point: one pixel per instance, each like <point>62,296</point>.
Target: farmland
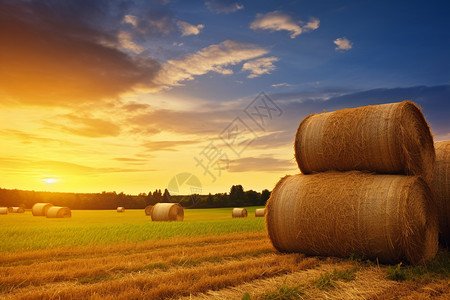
<point>107,255</point>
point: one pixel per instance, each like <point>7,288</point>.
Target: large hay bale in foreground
<point>59,212</point>
<point>40,209</point>
<point>389,139</point>
<point>441,189</point>
<point>3,210</point>
<point>16,209</point>
<point>239,213</point>
<point>167,212</point>
<point>260,212</point>
<point>120,209</point>
<point>389,217</point>
<point>148,210</point>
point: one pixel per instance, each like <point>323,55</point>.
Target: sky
<point>197,96</point>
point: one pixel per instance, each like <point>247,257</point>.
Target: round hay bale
<point>260,212</point>
<point>441,189</point>
<point>3,210</point>
<point>167,212</point>
<point>148,210</point>
<point>388,139</point>
<point>16,209</point>
<point>59,212</point>
<point>239,213</point>
<point>40,209</point>
<point>389,217</point>
<point>120,209</point>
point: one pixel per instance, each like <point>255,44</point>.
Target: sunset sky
<point>124,95</point>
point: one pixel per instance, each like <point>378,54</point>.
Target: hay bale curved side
<point>120,209</point>
<point>389,138</point>
<point>40,209</point>
<point>441,189</point>
<point>260,212</point>
<point>167,212</point>
<point>17,210</point>
<point>3,210</point>
<point>59,212</point>
<point>239,212</point>
<point>148,210</point>
<point>389,217</point>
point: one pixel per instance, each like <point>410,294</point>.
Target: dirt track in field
<point>220,267</point>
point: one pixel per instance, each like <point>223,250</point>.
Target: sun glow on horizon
<point>50,180</point>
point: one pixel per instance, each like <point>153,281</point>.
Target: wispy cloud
<point>266,163</point>
<point>343,44</point>
<point>214,58</point>
<point>277,21</point>
<point>85,126</point>
<point>281,84</point>
<point>130,19</point>
<point>260,66</point>
<point>189,29</point>
<point>223,6</point>
<point>167,145</point>
<point>126,42</point>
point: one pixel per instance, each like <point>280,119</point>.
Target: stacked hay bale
<point>441,189</point>
<point>3,210</point>
<point>167,212</point>
<point>342,210</point>
<point>40,209</point>
<point>120,209</point>
<point>239,213</point>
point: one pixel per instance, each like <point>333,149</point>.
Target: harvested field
<point>226,266</point>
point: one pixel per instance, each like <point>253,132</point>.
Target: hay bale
<point>120,209</point>
<point>239,213</point>
<point>59,212</point>
<point>3,210</point>
<point>260,212</point>
<point>388,139</point>
<point>148,210</point>
<point>167,212</point>
<point>40,209</point>
<point>441,189</point>
<point>389,217</point>
<point>16,209</point>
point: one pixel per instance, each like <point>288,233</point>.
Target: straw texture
<point>59,212</point>
<point>260,212</point>
<point>3,210</point>
<point>16,209</point>
<point>120,209</point>
<point>148,210</point>
<point>389,139</point>
<point>441,189</point>
<point>167,212</point>
<point>40,209</point>
<point>389,217</point>
<point>239,213</point>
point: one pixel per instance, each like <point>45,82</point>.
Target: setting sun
<point>50,180</point>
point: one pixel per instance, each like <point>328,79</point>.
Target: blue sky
<point>123,95</point>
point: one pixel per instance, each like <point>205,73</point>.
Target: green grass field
<point>92,227</point>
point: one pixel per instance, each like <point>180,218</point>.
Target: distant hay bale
<point>59,212</point>
<point>239,213</point>
<point>260,212</point>
<point>389,217</point>
<point>167,212</point>
<point>441,189</point>
<point>40,209</point>
<point>3,210</point>
<point>120,209</point>
<point>148,210</point>
<point>16,209</point>
<point>389,139</point>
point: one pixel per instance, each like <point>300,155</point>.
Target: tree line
<point>111,200</point>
